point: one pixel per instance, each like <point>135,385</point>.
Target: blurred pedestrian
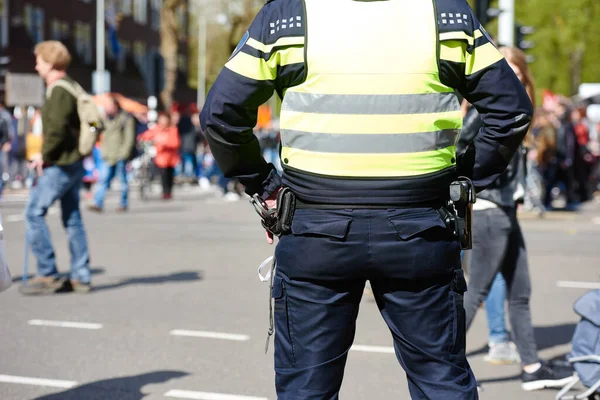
<point>165,137</point>
<point>501,349</point>
<point>6,135</point>
<point>560,172</point>
<point>499,246</point>
<point>60,172</point>
<point>117,147</point>
<point>189,144</point>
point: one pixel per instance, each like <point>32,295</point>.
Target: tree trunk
<point>169,40</point>
<point>576,67</point>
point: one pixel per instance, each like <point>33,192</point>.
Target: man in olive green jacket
<point>60,172</point>
<point>118,143</point>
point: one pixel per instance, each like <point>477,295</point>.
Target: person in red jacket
<point>166,140</point>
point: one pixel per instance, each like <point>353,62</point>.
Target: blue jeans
<point>1,171</point>
<point>189,165</point>
<point>214,170</point>
<point>58,183</point>
<point>494,308</point>
<point>271,155</point>
<point>108,174</point>
<point>413,265</point>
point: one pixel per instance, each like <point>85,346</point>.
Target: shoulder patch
<point>241,44</point>
<point>487,35</point>
<point>456,18</point>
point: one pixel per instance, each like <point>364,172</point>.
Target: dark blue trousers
<point>415,273</point>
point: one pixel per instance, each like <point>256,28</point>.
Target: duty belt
<point>318,206</point>
<point>455,212</point>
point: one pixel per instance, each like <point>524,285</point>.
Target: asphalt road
<point>178,310</point>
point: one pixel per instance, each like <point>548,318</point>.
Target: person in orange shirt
<point>166,140</point>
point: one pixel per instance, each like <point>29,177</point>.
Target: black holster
<point>286,205</point>
<point>457,214</point>
<point>276,220</point>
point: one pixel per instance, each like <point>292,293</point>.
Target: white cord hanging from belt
<point>268,277</point>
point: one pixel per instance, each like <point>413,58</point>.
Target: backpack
<point>89,115</point>
<point>586,339</point>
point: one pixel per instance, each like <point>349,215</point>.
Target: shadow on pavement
<point>95,271</point>
<point>125,388</point>
<point>545,337</point>
<point>185,276</point>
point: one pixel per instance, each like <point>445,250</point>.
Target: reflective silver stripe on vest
<point>370,104</point>
<point>369,143</point>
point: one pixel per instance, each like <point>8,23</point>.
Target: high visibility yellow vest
<point>372,104</point>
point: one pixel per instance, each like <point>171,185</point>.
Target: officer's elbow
<point>522,123</point>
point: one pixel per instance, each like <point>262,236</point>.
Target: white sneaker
<point>204,183</point>
<point>231,196</point>
<point>503,353</point>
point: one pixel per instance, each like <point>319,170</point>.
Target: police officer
<point>369,122</point>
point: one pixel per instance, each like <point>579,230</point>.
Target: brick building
<point>132,55</point>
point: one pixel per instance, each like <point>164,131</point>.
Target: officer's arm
<point>270,57</point>
<point>470,63</point>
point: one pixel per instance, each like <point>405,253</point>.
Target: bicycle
<point>143,167</point>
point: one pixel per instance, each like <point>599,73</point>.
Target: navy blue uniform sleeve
<point>471,64</point>
<point>269,58</point>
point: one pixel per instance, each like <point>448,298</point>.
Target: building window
<point>107,46</point>
<point>140,11</point>
<point>59,30</point>
<point>83,41</point>
<point>39,25</point>
<point>125,50</point>
<point>3,23</point>
<point>28,16</point>
<point>34,22</point>
<point>56,30</point>
<point>139,54</point>
<point>65,30</point>
<point>155,14</point>
<point>125,7</point>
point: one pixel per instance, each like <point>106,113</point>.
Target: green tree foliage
<point>222,38</point>
<point>567,41</point>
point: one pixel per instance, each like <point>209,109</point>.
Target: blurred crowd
<point>562,151</point>
<point>563,157</point>
<point>193,163</point>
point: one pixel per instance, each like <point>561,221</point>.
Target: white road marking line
<point>373,349</point>
<point>578,285</point>
<point>21,217</point>
<point>210,335</point>
<point>596,220</point>
<point>186,394</point>
<point>37,381</point>
<point>14,218</point>
<point>65,324</point>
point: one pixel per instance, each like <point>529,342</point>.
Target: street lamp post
<point>202,45</point>
<point>506,23</point>
<point>101,77</point>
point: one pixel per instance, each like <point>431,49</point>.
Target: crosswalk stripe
<point>373,349</point>
<point>37,381</point>
<point>578,285</point>
<point>210,335</point>
<point>65,324</point>
<point>186,394</point>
